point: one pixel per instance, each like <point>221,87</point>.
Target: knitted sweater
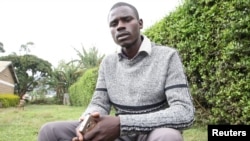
<point>148,91</point>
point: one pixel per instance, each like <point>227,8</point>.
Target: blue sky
<point>58,26</point>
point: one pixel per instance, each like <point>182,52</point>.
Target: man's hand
<point>106,129</point>
<point>79,137</point>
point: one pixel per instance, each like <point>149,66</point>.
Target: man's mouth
<point>122,36</point>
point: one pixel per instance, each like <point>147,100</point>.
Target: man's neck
<point>131,51</point>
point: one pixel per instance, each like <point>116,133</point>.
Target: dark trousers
<point>66,130</point>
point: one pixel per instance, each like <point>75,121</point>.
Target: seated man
<point>144,82</point>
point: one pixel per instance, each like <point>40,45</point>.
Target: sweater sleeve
<point>180,112</point>
<point>100,100</point>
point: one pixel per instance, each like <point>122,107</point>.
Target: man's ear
<point>141,23</point>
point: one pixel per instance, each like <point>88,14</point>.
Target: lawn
<point>23,125</point>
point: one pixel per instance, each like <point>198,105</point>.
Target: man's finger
<point>95,114</point>
<point>80,136</point>
<point>75,139</point>
<point>81,119</point>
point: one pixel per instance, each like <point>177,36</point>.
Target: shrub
<point>8,100</point>
<point>81,92</point>
<point>212,37</point>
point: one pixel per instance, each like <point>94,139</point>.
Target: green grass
<point>23,125</point>
<point>196,134</point>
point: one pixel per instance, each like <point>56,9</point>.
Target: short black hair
<point>118,4</point>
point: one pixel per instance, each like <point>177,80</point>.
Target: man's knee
<point>165,134</point>
<point>45,133</point>
<point>47,130</point>
<point>59,130</point>
<point>47,127</point>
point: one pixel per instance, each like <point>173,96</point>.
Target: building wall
<point>6,82</point>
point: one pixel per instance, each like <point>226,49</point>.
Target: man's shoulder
<point>110,58</point>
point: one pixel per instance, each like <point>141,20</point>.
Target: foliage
<point>29,70</point>
<point>26,47</point>
<point>213,39</point>
<point>62,78</point>
<point>81,92</point>
<point>88,59</point>
<point>8,100</point>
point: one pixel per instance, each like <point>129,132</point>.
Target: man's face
<point>124,26</point>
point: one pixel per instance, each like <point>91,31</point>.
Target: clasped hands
<point>107,128</point>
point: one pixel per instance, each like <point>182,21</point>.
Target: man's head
<point>124,24</point>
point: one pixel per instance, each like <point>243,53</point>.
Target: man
<point>145,83</point>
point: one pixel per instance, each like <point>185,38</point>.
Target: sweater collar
<point>145,47</point>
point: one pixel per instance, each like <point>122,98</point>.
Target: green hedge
<point>213,38</point>
<point>9,100</point>
<point>81,92</point>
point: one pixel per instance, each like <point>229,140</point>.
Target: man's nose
<point>121,26</point>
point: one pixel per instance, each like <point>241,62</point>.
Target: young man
<point>144,82</point>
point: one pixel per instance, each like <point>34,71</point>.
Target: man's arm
<point>100,101</point>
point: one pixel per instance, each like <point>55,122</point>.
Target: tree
<point>29,70</point>
<point>1,47</point>
<point>62,78</point>
<point>26,47</point>
<point>88,59</point>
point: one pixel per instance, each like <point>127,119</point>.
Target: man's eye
<point>112,24</point>
<point>127,19</point>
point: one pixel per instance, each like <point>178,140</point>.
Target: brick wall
<point>6,82</point>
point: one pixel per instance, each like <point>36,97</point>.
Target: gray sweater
<point>148,91</point>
